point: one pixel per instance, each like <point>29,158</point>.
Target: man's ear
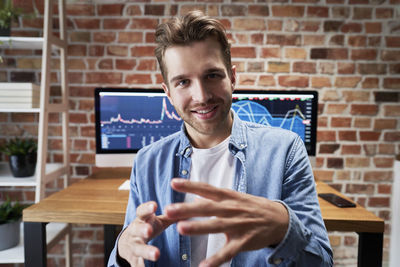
<point>167,92</point>
<point>233,77</point>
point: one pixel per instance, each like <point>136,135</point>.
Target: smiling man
<point>221,192</point>
<point>200,89</point>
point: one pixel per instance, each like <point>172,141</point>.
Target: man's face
<point>200,89</point>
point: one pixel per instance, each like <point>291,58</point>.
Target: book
<point>19,86</point>
<point>16,99</point>
<point>18,105</point>
<point>20,93</point>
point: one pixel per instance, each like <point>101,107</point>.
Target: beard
<point>217,124</point>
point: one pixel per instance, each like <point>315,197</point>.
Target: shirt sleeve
<point>115,260</point>
<point>306,241</point>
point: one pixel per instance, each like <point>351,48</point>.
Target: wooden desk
<point>98,201</point>
<point>369,227</point>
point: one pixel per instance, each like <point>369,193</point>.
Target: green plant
<point>19,146</point>
<point>10,212</point>
<point>8,13</point>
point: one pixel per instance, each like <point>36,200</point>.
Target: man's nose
<point>200,92</point>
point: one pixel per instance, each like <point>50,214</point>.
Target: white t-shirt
<point>215,166</point>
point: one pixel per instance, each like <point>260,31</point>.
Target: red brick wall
<point>348,50</point>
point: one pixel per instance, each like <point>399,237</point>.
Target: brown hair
<point>194,26</point>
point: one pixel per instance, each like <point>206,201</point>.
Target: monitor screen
<point>292,110</point>
<point>129,119</point>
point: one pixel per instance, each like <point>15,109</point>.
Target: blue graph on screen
<point>131,122</point>
<point>293,120</point>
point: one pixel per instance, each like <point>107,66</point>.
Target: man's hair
<point>194,26</point>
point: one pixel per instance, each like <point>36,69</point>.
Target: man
<point>221,192</point>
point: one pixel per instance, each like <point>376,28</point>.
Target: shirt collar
<point>237,140</point>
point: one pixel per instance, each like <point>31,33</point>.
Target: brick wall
<point>347,50</point>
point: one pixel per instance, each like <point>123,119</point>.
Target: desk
<point>369,227</point>
<point>98,201</point>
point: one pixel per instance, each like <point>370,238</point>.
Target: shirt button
<point>184,172</point>
<point>184,256</point>
<point>277,261</point>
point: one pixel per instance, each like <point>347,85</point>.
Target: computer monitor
<point>128,119</point>
<point>292,110</point>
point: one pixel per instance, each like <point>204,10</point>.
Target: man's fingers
<point>147,252</point>
<point>141,229</point>
<point>166,221</point>
<point>225,254</point>
<point>131,247</point>
<point>146,210</point>
<point>202,189</point>
<point>188,210</point>
<point>137,262</point>
<point>211,226</point>
<point>205,208</point>
<point>160,224</point>
<point>132,243</point>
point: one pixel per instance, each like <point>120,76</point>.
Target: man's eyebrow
<point>183,76</point>
<point>214,70</point>
<point>177,78</point>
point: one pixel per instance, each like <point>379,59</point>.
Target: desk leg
<point>35,246</point>
<point>109,240</point>
<point>370,249</point>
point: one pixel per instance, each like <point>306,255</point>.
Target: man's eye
<point>212,76</point>
<point>182,83</point>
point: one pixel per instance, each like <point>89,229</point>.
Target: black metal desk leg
<point>109,240</point>
<point>370,249</point>
<point>35,246</point>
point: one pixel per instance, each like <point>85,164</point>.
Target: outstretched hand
<point>132,244</point>
<point>249,222</point>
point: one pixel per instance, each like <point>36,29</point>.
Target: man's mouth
<point>205,113</point>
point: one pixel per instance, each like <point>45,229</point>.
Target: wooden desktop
<point>97,200</point>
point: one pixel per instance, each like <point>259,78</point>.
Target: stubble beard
<point>209,127</point>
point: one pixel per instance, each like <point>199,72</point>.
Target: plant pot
<point>5,31</point>
<point>23,165</point>
<point>9,233</point>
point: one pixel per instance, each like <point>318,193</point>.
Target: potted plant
<point>10,219</point>
<point>22,156</point>
<point>8,14</point>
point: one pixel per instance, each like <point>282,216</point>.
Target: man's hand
<point>249,222</point>
<point>132,244</point>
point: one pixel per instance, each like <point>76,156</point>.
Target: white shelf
<point>6,178</point>
<point>21,42</point>
<point>54,170</point>
<point>16,254</point>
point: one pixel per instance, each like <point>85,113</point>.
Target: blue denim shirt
<point>272,163</point>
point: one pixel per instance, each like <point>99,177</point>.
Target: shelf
<point>6,178</point>
<point>21,42</point>
<point>30,42</point>
<point>30,98</point>
<point>16,254</point>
